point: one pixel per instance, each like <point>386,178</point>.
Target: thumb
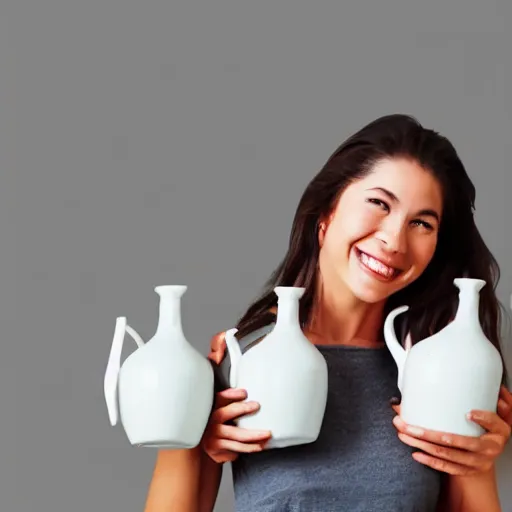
<point>217,348</point>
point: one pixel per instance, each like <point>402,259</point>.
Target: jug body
<point>165,395</point>
<point>290,387</point>
<point>445,376</point>
<point>165,388</point>
<point>287,375</point>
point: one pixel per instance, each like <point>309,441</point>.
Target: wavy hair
<point>460,251</point>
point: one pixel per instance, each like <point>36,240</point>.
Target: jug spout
<point>398,352</point>
<point>235,355</point>
<point>468,283</point>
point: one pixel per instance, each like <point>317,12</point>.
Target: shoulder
<point>218,343</point>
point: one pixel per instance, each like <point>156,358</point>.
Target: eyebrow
<point>426,212</point>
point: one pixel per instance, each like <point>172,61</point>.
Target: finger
<point>213,356</point>
<point>461,457</point>
<point>396,408</point>
<point>233,410</point>
<point>506,395</point>
<point>217,348</point>
<point>444,466</point>
<point>491,422</point>
<point>216,357</point>
<point>242,435</point>
<point>225,456</point>
<point>472,444</point>
<point>505,411</point>
<point>237,446</point>
<point>217,341</point>
<point>227,396</point>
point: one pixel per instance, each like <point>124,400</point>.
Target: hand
<point>223,442</point>
<point>217,348</point>
<point>462,455</point>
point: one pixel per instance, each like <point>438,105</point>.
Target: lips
<point>377,266</point>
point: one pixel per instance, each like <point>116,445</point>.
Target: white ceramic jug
<point>165,387</point>
<point>286,374</point>
<point>445,376</point>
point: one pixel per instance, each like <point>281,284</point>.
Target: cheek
<point>332,242</point>
<point>333,247</point>
<point>343,233</point>
<point>352,226</point>
<point>424,251</point>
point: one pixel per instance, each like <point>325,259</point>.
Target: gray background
<point>148,143</point>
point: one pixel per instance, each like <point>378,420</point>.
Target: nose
<point>394,236</point>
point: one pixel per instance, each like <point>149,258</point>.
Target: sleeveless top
<point>357,464</point>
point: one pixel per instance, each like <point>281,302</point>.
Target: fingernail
<point>398,421</point>
<point>394,400</point>
<point>415,431</point>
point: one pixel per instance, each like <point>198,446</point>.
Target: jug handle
<point>398,352</point>
<point>235,355</point>
<point>114,365</point>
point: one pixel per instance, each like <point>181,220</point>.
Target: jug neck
<point>287,313</point>
<point>169,316</point>
<point>469,303</point>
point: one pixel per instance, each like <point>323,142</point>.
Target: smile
<point>376,266</point>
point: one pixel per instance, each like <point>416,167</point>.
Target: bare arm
<point>183,481</point>
<point>174,485</point>
<point>222,440</point>
<point>209,482</point>
<point>478,493</point>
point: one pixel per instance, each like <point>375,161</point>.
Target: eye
<point>378,202</point>
<point>424,224</point>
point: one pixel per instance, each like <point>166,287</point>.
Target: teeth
<point>377,266</point>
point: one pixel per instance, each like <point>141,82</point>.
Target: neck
<point>339,318</point>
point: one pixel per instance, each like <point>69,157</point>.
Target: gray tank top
<point>358,464</point>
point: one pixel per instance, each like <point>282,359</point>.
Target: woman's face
<point>383,232</point>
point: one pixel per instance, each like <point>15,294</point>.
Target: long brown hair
<point>460,250</point>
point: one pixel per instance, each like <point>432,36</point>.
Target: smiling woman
<point>383,231</point>
<point>387,221</point>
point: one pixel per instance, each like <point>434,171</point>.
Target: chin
<point>375,292</point>
<point>370,295</point>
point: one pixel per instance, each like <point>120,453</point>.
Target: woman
<point>387,221</point>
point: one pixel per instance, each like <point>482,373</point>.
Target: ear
<point>322,228</point>
<point>323,224</point>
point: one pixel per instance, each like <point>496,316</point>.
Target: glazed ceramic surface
<point>445,376</point>
<point>165,388</point>
<point>286,374</point>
